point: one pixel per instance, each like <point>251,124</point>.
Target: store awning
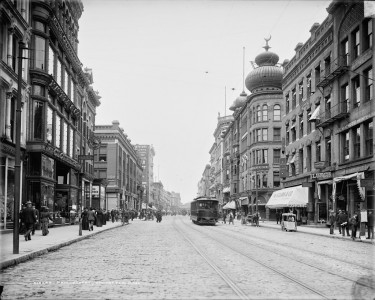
<point>357,176</point>
<point>296,196</point>
<point>315,114</point>
<point>226,189</point>
<point>230,205</point>
<point>293,159</point>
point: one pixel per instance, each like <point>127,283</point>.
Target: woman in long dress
<point>85,220</point>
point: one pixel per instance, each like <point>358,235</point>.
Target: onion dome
<point>239,102</point>
<point>267,76</point>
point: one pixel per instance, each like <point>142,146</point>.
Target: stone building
<point>146,153</point>
<point>328,126</point>
<point>204,183</point>
<point>117,162</point>
<point>261,116</point>
<point>59,103</point>
<point>216,157</point>
<point>15,26</point>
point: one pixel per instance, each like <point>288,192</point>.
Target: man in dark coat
<point>370,225</point>
<point>29,219</point>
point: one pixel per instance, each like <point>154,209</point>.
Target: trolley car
<point>204,210</point>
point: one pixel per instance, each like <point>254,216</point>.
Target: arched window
<point>264,112</point>
<point>259,116</point>
<point>277,113</point>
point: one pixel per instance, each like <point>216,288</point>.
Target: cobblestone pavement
<point>149,260</point>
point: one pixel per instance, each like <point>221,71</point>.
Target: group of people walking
<point>31,218</point>
<point>345,224</point>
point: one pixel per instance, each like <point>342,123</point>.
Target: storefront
<point>293,199</point>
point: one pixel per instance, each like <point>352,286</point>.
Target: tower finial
<point>266,46</point>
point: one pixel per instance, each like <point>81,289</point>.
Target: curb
<point>328,236</point>
<point>23,258</point>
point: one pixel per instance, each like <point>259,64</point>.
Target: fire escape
<point>341,110</point>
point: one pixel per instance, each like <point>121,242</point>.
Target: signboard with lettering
<point>319,164</point>
<point>85,157</point>
<point>319,176</point>
<point>95,191</point>
<point>307,184</point>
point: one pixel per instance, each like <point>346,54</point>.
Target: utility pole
<point>17,165</point>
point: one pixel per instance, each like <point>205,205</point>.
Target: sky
<point>166,69</point>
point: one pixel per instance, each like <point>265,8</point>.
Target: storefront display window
<point>6,188</point>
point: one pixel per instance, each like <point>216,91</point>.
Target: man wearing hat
<point>29,219</point>
<point>332,220</point>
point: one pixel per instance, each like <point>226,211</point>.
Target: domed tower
<point>267,76</point>
<point>265,109</point>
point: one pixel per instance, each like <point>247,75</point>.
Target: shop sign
<point>307,184</point>
<point>319,176</point>
<point>319,164</point>
<point>95,191</point>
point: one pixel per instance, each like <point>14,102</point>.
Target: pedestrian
<point>91,216</point>
<point>231,218</point>
<point>332,221</point>
<point>104,217</point>
<point>256,219</point>
<point>99,218</point>
<point>354,222</point>
<point>225,217</point>
<point>44,219</point>
<point>29,219</point>
<point>280,216</point>
<point>344,222</point>
<point>370,225</point>
<point>113,213</point>
<point>338,220</point>
<point>85,219</point>
<point>37,217</point>
<point>277,217</point>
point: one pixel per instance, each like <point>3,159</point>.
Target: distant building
<point>146,153</point>
<point>118,165</point>
<point>204,183</point>
<point>216,155</point>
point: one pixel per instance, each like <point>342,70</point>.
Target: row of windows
<point>352,46</point>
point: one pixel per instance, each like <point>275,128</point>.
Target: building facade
<point>59,103</point>
<point>328,126</point>
<point>262,117</point>
<point>117,163</point>
<point>15,26</point>
<point>303,141</point>
<point>216,157</point>
<point>146,153</point>
<point>204,183</point>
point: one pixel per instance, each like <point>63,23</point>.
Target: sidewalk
<point>316,230</point>
<point>58,237</point>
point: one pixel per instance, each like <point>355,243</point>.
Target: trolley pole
<point>17,165</point>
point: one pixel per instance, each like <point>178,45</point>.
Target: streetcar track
<point>302,249</point>
<point>296,281</point>
<point>277,253</point>
<point>241,294</point>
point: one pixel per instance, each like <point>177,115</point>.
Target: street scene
<point>176,259</point>
<point>183,149</point>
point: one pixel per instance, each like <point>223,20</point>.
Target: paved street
<point>176,259</point>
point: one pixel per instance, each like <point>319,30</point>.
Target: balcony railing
<point>337,112</point>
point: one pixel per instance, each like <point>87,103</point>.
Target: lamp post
<point>17,165</point>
